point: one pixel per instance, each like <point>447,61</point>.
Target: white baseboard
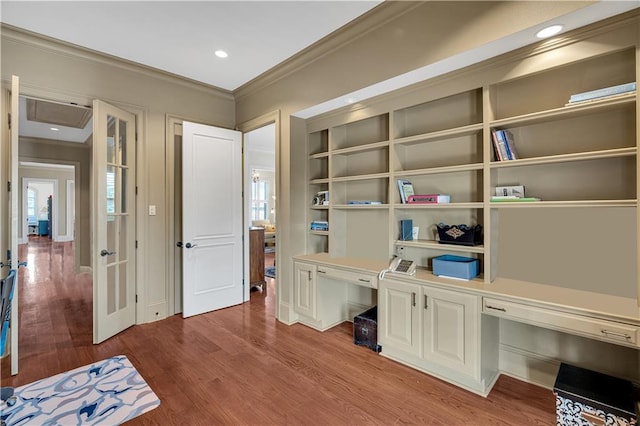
<point>155,312</point>
<point>85,270</point>
<point>63,238</point>
<point>528,366</point>
<point>287,316</point>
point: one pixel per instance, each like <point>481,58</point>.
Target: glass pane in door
<point>111,139</point>
<point>122,147</point>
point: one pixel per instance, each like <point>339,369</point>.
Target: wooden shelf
<point>565,158</point>
<point>435,245</point>
<point>323,233</point>
<point>574,203</point>
<point>443,134</point>
<point>319,156</point>
<point>360,177</point>
<point>475,205</point>
<point>360,206</point>
<point>319,181</point>
<point>568,111</point>
<point>440,170</point>
<point>360,148</point>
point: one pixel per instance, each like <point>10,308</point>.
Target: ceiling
<point>181,37</point>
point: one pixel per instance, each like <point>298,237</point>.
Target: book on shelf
<point>363,202</point>
<point>515,190</point>
<point>511,146</point>
<point>605,92</point>
<point>504,145</point>
<point>500,145</point>
<point>429,199</point>
<point>406,190</point>
<point>319,225</point>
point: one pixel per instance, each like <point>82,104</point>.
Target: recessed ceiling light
<point>221,54</point>
<point>549,31</point>
<point>55,129</point>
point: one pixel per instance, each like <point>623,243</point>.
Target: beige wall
<point>395,38</point>
<point>57,71</point>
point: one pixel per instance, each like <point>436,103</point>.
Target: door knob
<point>105,252</point>
<point>189,245</point>
<point>179,244</point>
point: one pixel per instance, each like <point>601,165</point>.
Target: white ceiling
<point>181,37</point>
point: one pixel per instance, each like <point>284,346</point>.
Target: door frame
<point>141,228</point>
<point>272,117</point>
<point>171,120</point>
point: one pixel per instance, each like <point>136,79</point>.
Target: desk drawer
<point>609,331</point>
<point>358,278</point>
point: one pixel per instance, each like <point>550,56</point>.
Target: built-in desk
<point>465,314</point>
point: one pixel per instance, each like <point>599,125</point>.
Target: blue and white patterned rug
<point>108,392</point>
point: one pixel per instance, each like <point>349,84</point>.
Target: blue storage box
<point>448,265</point>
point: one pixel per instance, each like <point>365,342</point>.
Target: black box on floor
<point>585,397</point>
<point>365,329</point>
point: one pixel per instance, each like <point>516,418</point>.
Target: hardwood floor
<point>240,366</point>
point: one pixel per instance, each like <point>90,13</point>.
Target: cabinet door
<point>304,291</point>
<point>398,316</point>
<point>450,329</point>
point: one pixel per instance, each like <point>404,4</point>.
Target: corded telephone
<point>401,266</point>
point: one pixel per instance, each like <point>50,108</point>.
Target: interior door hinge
<point>9,120</point>
<point>136,243</point>
<point>9,186</point>
<point>136,298</point>
<point>136,190</point>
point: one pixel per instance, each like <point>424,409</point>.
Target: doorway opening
<point>54,158</point>
<point>260,206</point>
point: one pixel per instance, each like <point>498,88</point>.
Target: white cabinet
<point>434,330</point>
<point>304,290</point>
<point>450,329</point>
<point>325,296</point>
<point>398,316</point>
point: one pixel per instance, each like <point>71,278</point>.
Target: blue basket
<point>456,266</point>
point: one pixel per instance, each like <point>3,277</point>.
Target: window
<point>32,208</point>
<point>259,203</point>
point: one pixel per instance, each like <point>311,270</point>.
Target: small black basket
<point>460,234</point>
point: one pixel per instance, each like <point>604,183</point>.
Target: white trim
<point>71,212</point>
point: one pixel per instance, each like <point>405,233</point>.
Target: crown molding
<point>577,35</point>
<point>359,27</point>
<point>50,44</point>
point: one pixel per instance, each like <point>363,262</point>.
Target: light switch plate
<point>152,210</point>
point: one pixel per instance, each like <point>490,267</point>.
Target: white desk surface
<point>597,305</point>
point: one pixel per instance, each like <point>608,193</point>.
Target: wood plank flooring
<point>240,366</point>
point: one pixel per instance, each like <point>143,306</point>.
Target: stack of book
<point>513,193</point>
<point>319,225</point>
<point>503,145</point>
<point>429,199</point>
<point>606,92</point>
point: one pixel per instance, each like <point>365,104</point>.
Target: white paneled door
<point>114,289</point>
<point>212,259</point>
